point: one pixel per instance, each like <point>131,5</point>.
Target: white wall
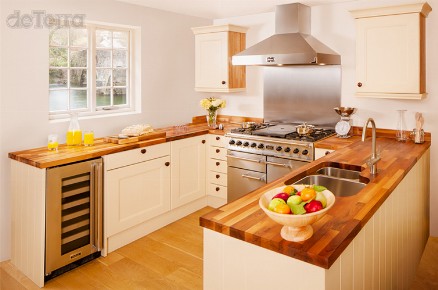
<point>333,25</point>
<point>167,62</point>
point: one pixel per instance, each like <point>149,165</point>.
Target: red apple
<point>313,206</point>
<point>283,195</point>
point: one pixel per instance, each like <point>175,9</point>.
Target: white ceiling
<point>217,9</point>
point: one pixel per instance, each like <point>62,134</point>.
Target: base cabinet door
<point>188,170</point>
<point>137,193</point>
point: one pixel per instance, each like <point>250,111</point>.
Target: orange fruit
<point>288,189</point>
<point>308,194</point>
<point>282,208</point>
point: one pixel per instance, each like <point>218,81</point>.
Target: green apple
<point>274,202</point>
<point>294,199</point>
<point>321,197</point>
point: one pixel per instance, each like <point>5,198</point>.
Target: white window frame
<point>132,85</point>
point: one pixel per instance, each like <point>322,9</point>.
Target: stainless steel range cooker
<point>262,153</point>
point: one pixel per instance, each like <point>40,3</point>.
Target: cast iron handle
<point>167,163</point>
<point>359,84</point>
<point>143,151</point>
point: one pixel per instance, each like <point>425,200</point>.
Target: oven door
<point>279,167</point>
<point>246,172</point>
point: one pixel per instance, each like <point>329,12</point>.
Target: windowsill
<point>66,117</point>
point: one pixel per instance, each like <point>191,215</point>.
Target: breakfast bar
<point>372,239</point>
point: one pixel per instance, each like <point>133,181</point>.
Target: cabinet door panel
<point>188,170</point>
<point>137,193</point>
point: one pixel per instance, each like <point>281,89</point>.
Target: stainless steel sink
<point>339,186</point>
<point>339,173</point>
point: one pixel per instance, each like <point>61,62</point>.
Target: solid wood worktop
<point>243,219</point>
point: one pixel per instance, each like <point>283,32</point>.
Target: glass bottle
<point>74,133</point>
<point>401,133</point>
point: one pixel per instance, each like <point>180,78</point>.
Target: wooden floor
<point>170,258</point>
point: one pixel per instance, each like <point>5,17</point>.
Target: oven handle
<point>252,177</point>
<point>247,159</point>
<point>278,164</point>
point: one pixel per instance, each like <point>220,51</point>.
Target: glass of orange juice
<point>88,138</point>
<point>52,142</point>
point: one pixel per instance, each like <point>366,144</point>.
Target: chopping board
<point>147,136</point>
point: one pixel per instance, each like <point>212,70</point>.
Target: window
<point>89,70</point>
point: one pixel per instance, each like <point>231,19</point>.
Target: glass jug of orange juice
<point>74,133</point>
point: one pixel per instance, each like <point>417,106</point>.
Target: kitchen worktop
<point>43,158</point>
<point>244,220</point>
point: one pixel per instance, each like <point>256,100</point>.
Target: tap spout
<point>374,157</point>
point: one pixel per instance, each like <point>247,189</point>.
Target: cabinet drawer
<point>217,153</point>
<point>129,157</point>
<point>217,140</point>
<point>217,178</point>
<point>217,190</point>
<point>217,165</point>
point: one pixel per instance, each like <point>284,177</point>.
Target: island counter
<point>370,240</point>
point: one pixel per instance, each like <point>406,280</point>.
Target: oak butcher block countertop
<point>243,219</point>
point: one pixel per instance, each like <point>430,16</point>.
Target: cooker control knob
<point>246,144</point>
<point>238,143</point>
<point>305,152</point>
<point>232,142</point>
<point>296,151</point>
<point>253,145</point>
<point>269,147</point>
<point>287,149</point>
<point>278,148</point>
<point>260,146</point>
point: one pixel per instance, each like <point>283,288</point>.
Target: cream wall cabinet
<point>188,159</point>
<point>217,170</point>
<point>390,51</point>
<point>214,47</point>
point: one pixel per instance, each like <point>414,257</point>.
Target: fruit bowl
<point>296,228</point>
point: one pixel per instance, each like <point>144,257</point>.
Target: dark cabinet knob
<point>143,151</point>
<point>359,84</point>
<point>218,163</point>
<point>217,176</point>
<point>167,163</point>
<point>218,138</point>
<point>203,141</point>
<point>217,150</point>
<point>327,152</point>
<point>224,82</point>
<point>217,189</point>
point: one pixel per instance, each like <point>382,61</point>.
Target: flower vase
<point>211,119</point>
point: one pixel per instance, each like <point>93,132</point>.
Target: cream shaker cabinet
<point>214,47</point>
<point>137,186</point>
<point>217,170</point>
<point>390,51</point>
<point>188,168</point>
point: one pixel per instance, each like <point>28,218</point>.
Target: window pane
<point>119,96</point>
<point>58,56</point>
<point>120,39</point>
<point>103,58</point>
<point>103,38</point>
<point>103,77</point>
<point>103,97</point>
<point>58,37</point>
<point>78,57</point>
<point>78,78</point>
<point>78,99</point>
<point>58,100</point>
<point>119,77</point>
<point>57,78</point>
<point>78,37</point>
<point>120,58</point>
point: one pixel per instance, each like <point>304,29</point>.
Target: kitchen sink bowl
<point>339,173</point>
<point>338,186</point>
<point>296,228</point>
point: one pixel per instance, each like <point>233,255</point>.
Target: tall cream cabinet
<point>390,51</point>
<point>188,170</point>
<point>214,47</point>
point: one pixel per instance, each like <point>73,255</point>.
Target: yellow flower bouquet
<point>212,105</point>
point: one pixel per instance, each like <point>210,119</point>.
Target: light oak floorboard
<point>169,258</point>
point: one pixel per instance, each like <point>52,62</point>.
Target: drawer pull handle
<point>218,138</point>
<point>217,176</point>
<point>217,188</point>
<point>224,82</point>
<point>359,84</point>
<point>218,163</point>
<point>143,151</point>
<point>217,150</point>
<point>327,152</point>
<point>203,141</point>
<point>167,163</point>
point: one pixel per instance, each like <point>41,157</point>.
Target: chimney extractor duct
<point>291,44</point>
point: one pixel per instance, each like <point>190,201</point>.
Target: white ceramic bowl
<point>296,228</point>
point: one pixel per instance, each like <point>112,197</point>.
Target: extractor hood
<point>291,44</point>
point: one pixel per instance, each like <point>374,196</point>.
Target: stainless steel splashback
<point>302,94</point>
